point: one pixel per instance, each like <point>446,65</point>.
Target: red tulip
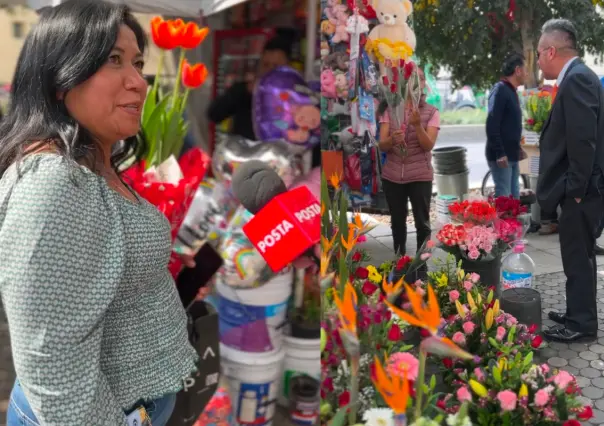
<point>536,343</point>
<point>361,273</point>
<point>409,67</point>
<point>402,262</point>
<point>194,76</point>
<point>586,414</point>
<point>385,80</point>
<point>368,288</point>
<point>344,399</point>
<point>192,35</point>
<point>167,34</point>
<point>395,334</point>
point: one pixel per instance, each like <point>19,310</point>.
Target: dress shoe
<point>598,250</point>
<point>557,317</point>
<point>564,335</point>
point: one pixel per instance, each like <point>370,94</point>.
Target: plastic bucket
<point>252,320</point>
<point>302,356</point>
<point>253,383</point>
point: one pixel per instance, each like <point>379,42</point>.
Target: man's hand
<point>502,162</point>
<point>398,137</point>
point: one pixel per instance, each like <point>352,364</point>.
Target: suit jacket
<point>572,141</point>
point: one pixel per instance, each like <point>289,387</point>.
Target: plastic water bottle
<point>517,269</point>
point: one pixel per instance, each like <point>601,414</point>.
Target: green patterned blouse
<point>95,320</point>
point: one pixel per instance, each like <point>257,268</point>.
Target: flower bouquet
<point>512,391</point>
<point>397,86</point>
<point>513,218</point>
<point>481,328</point>
<point>159,178</point>
<point>537,108</point>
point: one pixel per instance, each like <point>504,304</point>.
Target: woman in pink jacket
<point>407,174</point>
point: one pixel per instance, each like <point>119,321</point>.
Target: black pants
<point>549,217</point>
<point>397,196</point>
<point>579,223</point>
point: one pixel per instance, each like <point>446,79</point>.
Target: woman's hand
<point>415,118</point>
<point>398,137</point>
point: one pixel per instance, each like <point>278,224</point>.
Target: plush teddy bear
<point>328,28</point>
<point>337,61</point>
<point>392,39</point>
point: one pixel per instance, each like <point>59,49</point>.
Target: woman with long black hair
<point>96,324</point>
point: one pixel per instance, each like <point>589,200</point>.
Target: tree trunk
<point>529,47</point>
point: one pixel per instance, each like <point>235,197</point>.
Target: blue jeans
<point>20,413</point>
<point>506,180</point>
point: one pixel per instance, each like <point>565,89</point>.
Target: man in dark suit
<point>572,174</point>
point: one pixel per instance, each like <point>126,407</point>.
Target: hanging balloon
<point>284,157</point>
<point>286,108</point>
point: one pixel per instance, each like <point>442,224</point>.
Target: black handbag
<point>199,388</point>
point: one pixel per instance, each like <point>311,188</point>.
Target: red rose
<point>409,67</point>
<point>530,121</point>
<point>441,404</point>
<point>536,343</point>
<point>394,74</point>
<point>424,333</point>
<point>532,329</point>
<point>402,262</point>
<point>401,63</point>
<point>327,384</point>
<point>448,363</point>
<point>368,288</point>
<point>361,273</point>
<point>385,80</point>
<point>395,334</point>
<point>393,88</point>
<point>586,414</point>
<point>572,423</point>
<point>372,370</point>
<point>357,256</point>
<point>344,399</point>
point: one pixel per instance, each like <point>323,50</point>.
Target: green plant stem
<point>185,97</point>
<point>419,384</point>
<point>176,91</point>
<point>160,68</point>
<point>354,389</point>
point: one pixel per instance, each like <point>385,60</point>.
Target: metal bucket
<point>457,184</point>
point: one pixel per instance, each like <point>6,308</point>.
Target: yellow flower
<point>460,309</point>
<point>394,389</point>
<point>471,302</point>
<point>461,274</point>
<point>347,308</point>
<point>488,322</point>
<point>479,300</point>
<point>443,280</point>
<point>496,308</point>
<point>478,388</point>
<point>373,275</point>
<point>523,391</point>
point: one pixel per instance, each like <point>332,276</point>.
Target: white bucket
<point>253,383</point>
<point>302,356</point>
<point>252,320</point>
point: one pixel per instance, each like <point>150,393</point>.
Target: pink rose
<point>425,256</point>
<point>361,239</point>
<point>473,254</point>
<point>499,319</point>
<point>420,291</point>
<point>563,379</point>
<point>487,247</point>
<point>541,397</point>
<point>463,394</point>
<point>474,277</point>
<point>468,327</point>
<point>468,285</point>
<point>507,400</point>
<point>406,306</point>
<point>511,321</point>
<point>545,368</point>
<point>500,334</point>
<point>459,339</point>
<point>453,295</point>
<point>479,374</point>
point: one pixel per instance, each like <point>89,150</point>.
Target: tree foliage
<point>471,38</point>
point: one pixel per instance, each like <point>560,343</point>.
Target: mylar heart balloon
<point>284,157</point>
<point>286,108</point>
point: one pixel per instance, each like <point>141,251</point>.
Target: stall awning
<point>182,8</point>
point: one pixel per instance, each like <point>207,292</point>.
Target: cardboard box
<point>530,166</point>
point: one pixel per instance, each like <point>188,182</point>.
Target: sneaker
<point>548,229</point>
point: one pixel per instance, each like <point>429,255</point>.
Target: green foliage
<point>472,42</point>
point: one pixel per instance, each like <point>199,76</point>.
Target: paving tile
<point>558,362</point>
<point>381,230</point>
<point>591,373</point>
<point>589,356</point>
<point>592,392</point>
<point>579,363</point>
<point>543,242</point>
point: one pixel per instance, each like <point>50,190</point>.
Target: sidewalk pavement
<point>584,360</point>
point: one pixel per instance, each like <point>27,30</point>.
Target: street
<point>472,138</point>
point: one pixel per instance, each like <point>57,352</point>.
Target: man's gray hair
<point>562,29</point>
